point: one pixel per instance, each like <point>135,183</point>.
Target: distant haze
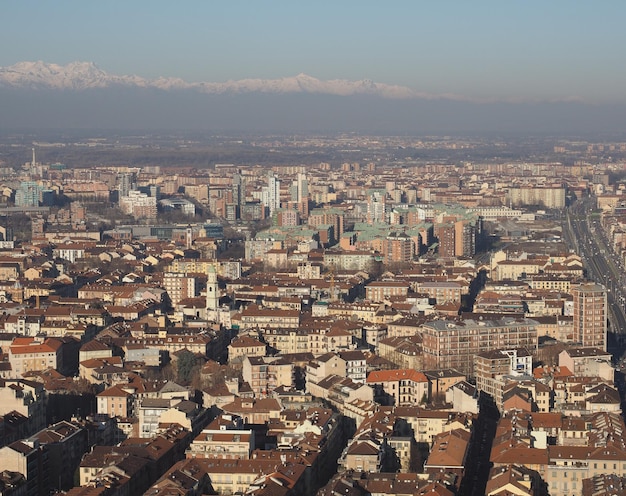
<point>81,96</point>
<point>149,109</point>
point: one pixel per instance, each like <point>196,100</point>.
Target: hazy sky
<point>504,49</point>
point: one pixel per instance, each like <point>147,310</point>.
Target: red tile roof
<point>378,376</point>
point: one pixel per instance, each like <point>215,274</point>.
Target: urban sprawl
<point>346,327</point>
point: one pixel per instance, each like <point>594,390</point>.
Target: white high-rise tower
<point>212,290</point>
<point>33,165</point>
<point>271,193</point>
<point>303,187</point>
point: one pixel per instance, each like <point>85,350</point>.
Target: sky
<point>549,50</point>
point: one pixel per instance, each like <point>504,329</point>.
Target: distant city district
<point>341,327</point>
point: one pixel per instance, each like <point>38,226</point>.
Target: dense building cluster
<point>347,329</point>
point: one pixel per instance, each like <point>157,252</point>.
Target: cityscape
<point>384,322</point>
<point>312,248</point>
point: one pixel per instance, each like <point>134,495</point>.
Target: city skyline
<point>312,248</point>
<point>490,51</point>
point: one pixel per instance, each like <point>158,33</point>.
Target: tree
<point>186,365</point>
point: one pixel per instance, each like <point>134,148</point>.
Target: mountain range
<point>79,95</point>
<point>87,75</point>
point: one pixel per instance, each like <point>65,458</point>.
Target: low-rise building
<point>449,453</point>
<point>399,387</point>
<point>244,346</point>
<point>233,444</point>
<point>28,458</point>
<point>264,374</point>
<point>115,401</point>
<point>27,398</point>
<point>35,354</point>
<point>588,362</point>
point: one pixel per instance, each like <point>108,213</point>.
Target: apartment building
<point>398,248</point>
<point>244,346</point>
<point>379,291</point>
<point>179,286</point>
<point>28,458</point>
<point>255,316</point>
<point>588,362</point>
<point>491,366</point>
<point>517,269</point>
<point>590,315</point>
<point>115,402</point>
<point>28,398</point>
<point>399,387</point>
<point>449,452</point>
<point>65,444</point>
<point>139,205</point>
<point>30,354</point>
<point>264,374</point>
<point>549,196</point>
<point>595,450</point>
<point>442,292</point>
<point>453,344</point>
<point>232,444</point>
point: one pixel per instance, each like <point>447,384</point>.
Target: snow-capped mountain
<point>302,83</point>
<point>85,75</point>
<point>76,75</point>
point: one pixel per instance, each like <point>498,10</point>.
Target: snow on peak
<point>84,75</point>
<point>75,75</point>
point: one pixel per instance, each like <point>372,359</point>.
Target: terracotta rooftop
<point>378,376</point>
